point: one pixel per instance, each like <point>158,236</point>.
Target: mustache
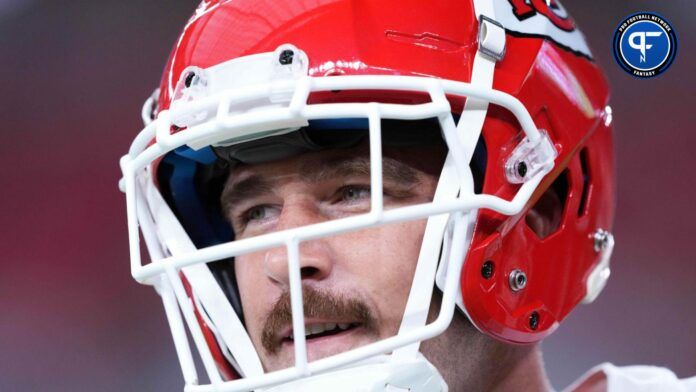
<point>316,304</point>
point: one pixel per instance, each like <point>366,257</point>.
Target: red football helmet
<point>510,85</point>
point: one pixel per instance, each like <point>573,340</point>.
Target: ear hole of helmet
<point>545,217</point>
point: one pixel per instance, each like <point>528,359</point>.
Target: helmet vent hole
<point>545,217</point>
<point>582,208</point>
<point>488,269</point>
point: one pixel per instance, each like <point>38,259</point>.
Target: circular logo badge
<point>645,44</point>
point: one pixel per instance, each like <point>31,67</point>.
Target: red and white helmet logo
<point>542,19</point>
<point>551,9</point>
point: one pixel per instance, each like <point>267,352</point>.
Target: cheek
<point>251,283</point>
<point>382,262</point>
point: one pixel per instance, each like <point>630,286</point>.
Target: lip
<point>324,346</point>
<point>287,330</point>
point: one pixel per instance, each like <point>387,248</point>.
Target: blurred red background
<point>73,76</point>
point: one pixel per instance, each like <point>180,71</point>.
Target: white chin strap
<point>435,248</point>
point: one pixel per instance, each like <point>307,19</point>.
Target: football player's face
<point>355,285</point>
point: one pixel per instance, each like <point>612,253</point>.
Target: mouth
<point>318,331</point>
<point>322,338</point>
<point>333,323</point>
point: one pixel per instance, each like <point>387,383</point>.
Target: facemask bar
<point>176,242</point>
<point>166,292</point>
<point>298,111</point>
<point>140,155</point>
<point>165,286</point>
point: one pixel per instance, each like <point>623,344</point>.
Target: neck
<point>525,373</point>
<point>471,361</point>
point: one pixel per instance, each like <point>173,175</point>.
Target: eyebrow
<point>248,188</point>
<point>316,171</point>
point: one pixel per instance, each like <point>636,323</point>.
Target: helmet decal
<point>542,18</point>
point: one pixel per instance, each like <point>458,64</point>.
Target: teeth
<point>316,329</point>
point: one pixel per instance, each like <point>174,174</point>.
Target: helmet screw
<point>189,79</point>
<point>534,320</point>
<point>487,269</point>
<point>286,57</point>
<point>601,240</point>
<point>518,280</point>
<point>522,169</point>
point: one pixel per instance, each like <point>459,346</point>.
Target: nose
<point>315,256</point>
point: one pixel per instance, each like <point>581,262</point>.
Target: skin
<point>360,278</point>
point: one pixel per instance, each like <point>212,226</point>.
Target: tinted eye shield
<point>329,134</point>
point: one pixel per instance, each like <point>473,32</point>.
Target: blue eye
<point>256,213</point>
<point>354,193</point>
